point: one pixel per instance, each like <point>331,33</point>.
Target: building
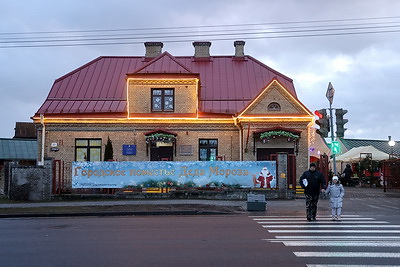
<point>22,150</point>
<point>19,151</point>
<point>382,145</point>
<point>160,107</point>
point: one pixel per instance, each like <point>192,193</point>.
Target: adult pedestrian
<point>347,172</point>
<point>313,182</point>
<point>336,194</point>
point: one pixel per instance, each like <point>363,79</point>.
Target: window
<point>208,149</point>
<point>162,99</point>
<point>274,107</point>
<point>87,149</point>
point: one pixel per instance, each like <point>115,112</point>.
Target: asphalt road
<point>368,235</point>
<point>138,241</point>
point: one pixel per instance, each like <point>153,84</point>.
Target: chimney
<point>239,48</point>
<point>153,49</point>
<point>202,49</point>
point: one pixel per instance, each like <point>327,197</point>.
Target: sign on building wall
<point>128,149</point>
<point>123,174</point>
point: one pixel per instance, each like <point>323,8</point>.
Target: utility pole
<point>330,92</point>
<point>326,124</point>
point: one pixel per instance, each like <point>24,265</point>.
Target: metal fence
<point>391,174</point>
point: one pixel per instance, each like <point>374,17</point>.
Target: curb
<point>110,214</point>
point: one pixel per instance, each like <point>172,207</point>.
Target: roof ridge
<point>164,54</point>
<point>271,69</point>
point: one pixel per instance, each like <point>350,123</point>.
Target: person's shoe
<point>333,218</point>
<point>308,219</point>
<point>313,219</point>
<point>338,218</point>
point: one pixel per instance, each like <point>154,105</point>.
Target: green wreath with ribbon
<point>267,135</point>
<point>167,138</point>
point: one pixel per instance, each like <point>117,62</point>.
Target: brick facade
<point>229,98</point>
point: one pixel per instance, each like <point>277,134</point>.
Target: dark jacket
<point>315,181</point>
<point>347,173</point>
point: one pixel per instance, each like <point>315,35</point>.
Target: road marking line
<point>323,222</point>
<point>330,231</point>
<point>376,207</point>
<point>337,225</point>
<point>348,254</point>
<point>328,237</point>
<point>300,216</point>
<point>337,243</point>
<point>345,265</point>
<point>319,219</point>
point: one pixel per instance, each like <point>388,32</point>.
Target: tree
<point>108,151</point>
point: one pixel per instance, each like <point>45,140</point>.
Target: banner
<point>128,174</point>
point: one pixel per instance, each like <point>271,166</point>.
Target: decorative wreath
<point>267,135</point>
<point>160,137</point>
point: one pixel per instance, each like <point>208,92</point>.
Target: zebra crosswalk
<point>353,241</point>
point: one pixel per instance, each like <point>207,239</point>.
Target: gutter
<point>41,162</point>
<point>235,120</point>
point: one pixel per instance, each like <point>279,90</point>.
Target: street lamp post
<point>391,143</point>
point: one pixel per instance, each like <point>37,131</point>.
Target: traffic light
<point>340,122</point>
<point>323,122</point>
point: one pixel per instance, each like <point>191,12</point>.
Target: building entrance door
<point>269,154</point>
<point>266,153</point>
<point>161,153</point>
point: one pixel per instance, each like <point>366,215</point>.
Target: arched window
<point>274,107</point>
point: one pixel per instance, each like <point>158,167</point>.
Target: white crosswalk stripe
<point>348,254</point>
<point>352,265</point>
<point>330,231</point>
<point>323,222</point>
<point>338,243</point>
<point>354,237</point>
<point>330,226</point>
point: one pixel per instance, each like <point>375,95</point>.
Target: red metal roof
<point>228,84</point>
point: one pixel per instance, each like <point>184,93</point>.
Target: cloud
<point>362,68</point>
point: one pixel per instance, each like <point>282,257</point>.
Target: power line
<point>210,39</point>
<point>212,35</point>
<point>206,26</point>
<point>237,31</point>
<point>203,35</point>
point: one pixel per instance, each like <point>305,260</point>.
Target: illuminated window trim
<point>161,81</point>
<point>304,108</point>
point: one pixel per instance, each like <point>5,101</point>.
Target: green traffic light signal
<point>335,147</point>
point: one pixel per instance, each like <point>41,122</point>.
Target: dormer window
<point>162,99</point>
<point>274,107</point>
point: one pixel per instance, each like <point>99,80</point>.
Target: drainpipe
<point>41,163</point>
<point>235,120</point>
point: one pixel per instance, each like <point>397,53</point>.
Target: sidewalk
<point>165,206</point>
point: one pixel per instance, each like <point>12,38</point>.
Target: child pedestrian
<point>336,193</point>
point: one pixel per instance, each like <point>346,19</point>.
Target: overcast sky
<point>363,68</point>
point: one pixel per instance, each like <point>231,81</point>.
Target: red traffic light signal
<point>318,114</point>
<point>323,122</point>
